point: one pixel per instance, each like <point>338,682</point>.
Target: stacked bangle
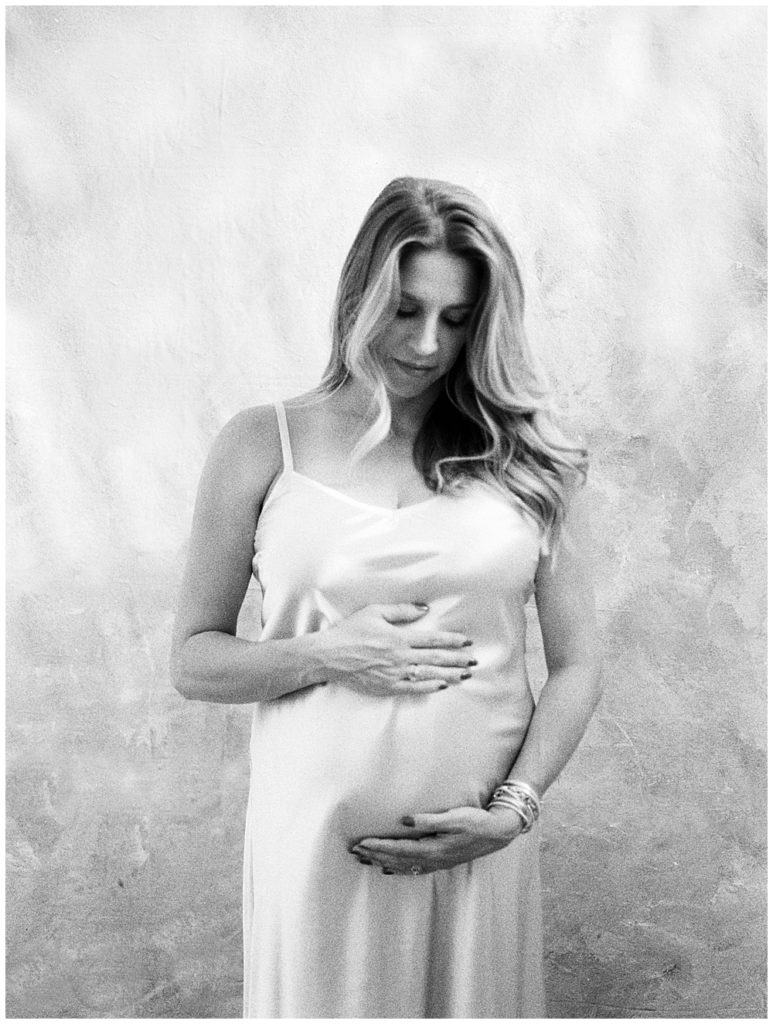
<point>518,797</point>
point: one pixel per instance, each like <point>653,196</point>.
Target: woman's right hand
<point>382,650</point>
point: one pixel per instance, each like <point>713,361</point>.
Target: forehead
<point>439,275</point>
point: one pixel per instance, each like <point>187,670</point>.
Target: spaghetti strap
<point>284,436</point>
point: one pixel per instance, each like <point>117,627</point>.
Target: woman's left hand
<point>447,839</point>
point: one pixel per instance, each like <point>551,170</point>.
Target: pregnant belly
<point>362,762</point>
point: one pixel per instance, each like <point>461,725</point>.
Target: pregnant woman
<point>397,519</point>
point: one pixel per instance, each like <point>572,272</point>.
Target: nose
<point>425,341</point>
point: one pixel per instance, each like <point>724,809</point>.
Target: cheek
<point>393,339</point>
<point>453,346</point>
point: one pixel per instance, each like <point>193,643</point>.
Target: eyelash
<point>405,313</point>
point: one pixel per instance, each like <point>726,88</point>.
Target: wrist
<point>536,792</point>
<point>520,797</point>
<point>509,824</point>
<point>312,667</point>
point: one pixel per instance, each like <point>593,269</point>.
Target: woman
<point>397,518</point>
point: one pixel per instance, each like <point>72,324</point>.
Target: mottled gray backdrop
<point>184,184</point>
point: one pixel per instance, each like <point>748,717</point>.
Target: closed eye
<point>452,321</point>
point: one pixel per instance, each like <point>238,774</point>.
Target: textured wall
<point>184,183</point>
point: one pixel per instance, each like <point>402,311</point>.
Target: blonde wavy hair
<point>493,421</point>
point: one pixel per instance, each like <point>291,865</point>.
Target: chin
<point>406,385</point>
<point>406,389</point>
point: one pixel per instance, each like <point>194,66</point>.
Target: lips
<point>413,367</point>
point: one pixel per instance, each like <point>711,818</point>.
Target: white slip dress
<point>328,937</point>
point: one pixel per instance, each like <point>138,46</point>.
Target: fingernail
<point>466,675</point>
<point>472,662</point>
<point>424,608</point>
<point>467,643</point>
<point>443,686</point>
<point>386,871</point>
<point>364,860</point>
<point>408,820</point>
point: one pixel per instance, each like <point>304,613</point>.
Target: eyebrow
<point>454,305</point>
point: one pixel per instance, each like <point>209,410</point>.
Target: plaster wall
<point>183,185</point>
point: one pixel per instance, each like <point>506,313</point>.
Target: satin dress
<point>325,936</point>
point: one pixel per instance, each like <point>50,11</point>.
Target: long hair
<point>493,420</point>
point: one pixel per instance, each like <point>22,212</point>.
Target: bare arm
<point>369,650</point>
<point>208,661</point>
<point>566,609</point>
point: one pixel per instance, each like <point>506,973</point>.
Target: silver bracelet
<point>519,797</point>
<point>519,807</point>
<point>530,794</point>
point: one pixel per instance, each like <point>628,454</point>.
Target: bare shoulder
<point>311,419</point>
<point>253,426</point>
<point>246,455</point>
<point>309,404</point>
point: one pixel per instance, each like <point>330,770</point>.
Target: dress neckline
<point>289,470</point>
<point>356,501</point>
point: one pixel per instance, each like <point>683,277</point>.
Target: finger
<point>386,851</point>
<point>439,639</point>
<point>413,870</point>
<point>446,821</point>
<point>417,687</point>
<point>423,856</point>
<point>410,866</point>
<point>441,657</point>
<point>416,672</point>
<point>361,856</point>
<point>407,612</point>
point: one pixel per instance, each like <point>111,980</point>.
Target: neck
<point>407,413</point>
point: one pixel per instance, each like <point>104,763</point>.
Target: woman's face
<point>438,290</point>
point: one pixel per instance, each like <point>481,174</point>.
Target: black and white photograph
<point>386,512</point>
